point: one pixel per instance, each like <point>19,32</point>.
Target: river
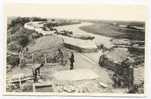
<point>99,39</point>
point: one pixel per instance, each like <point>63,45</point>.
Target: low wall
<point>79,49</point>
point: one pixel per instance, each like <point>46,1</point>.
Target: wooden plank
<point>38,85</point>
<point>20,80</point>
<point>103,85</point>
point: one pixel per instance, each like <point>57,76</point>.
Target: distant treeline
<point>132,23</point>
<point>23,20</point>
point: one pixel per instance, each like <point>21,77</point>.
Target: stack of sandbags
<point>113,58</point>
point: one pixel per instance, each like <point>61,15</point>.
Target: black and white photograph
<point>75,56</point>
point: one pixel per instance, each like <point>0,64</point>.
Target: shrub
<point>13,46</point>
<point>23,40</point>
<point>13,60</point>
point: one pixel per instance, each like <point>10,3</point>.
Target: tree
<point>23,40</point>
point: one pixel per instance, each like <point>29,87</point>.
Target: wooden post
<point>32,58</point>
<point>45,59</point>
<point>34,89</point>
<point>33,68</point>
<point>20,84</point>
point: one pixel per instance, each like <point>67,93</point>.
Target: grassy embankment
<point>17,38</point>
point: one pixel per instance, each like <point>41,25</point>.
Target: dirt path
<point>85,62</point>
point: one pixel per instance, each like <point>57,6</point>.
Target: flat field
<point>110,30</point>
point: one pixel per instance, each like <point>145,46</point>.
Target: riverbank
<point>109,30</point>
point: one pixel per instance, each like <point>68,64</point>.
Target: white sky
<point>79,11</point>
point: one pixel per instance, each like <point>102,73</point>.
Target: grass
<point>45,42</point>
